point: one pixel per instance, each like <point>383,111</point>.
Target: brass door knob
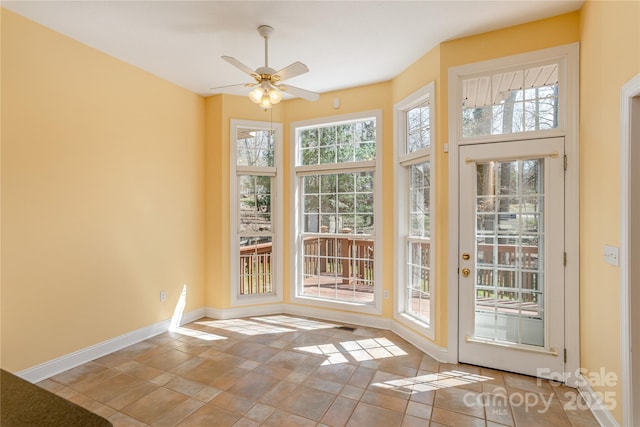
<point>465,272</point>
<point>466,256</point>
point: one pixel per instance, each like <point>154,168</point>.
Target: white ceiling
<point>344,43</point>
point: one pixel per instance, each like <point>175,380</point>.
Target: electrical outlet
<point>386,294</point>
<point>163,296</point>
<point>611,255</point>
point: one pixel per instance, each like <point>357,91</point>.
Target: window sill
<point>255,299</point>
<point>416,324</point>
<point>367,308</point>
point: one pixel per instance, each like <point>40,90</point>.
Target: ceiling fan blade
<point>217,88</point>
<point>302,93</point>
<point>239,65</point>
<point>292,70</point>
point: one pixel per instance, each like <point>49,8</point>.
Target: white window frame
<point>513,63</point>
<point>297,171</point>
<point>513,136</point>
<point>402,165</point>
<point>276,213</point>
<point>567,56</point>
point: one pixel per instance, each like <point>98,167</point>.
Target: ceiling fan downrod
<point>265,32</point>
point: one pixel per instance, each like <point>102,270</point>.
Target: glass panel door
<point>509,296</point>
<point>511,280</point>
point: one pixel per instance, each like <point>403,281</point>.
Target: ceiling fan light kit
<point>267,92</point>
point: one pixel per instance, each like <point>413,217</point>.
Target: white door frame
<point>539,359</point>
<point>568,57</point>
<point>628,136</point>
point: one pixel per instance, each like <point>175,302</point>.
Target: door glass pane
<point>510,235</point>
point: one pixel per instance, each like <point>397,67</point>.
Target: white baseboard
<point>419,341</point>
<point>338,316</point>
<point>52,367</point>
<point>71,360</point>
<point>314,312</point>
<point>248,311</point>
<point>593,399</point>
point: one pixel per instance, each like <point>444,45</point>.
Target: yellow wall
<point>216,252</point>
<point>609,56</point>
<point>0,185</point>
<point>102,196</point>
<point>536,35</point>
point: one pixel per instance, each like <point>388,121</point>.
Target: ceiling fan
<point>267,87</point>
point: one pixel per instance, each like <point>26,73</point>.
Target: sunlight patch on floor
<point>360,350</point>
<point>245,327</point>
<point>431,382</point>
<point>295,322</point>
<point>198,334</point>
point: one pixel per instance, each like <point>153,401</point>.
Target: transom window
<point>338,143</point>
<point>515,101</point>
<point>336,206</point>
<point>418,125</point>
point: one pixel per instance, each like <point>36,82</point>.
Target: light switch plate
<point>611,255</point>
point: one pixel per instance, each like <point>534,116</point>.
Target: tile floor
<point>291,371</point>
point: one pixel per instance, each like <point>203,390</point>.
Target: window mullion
<point>415,158</point>
<point>345,167</point>
<point>255,170</point>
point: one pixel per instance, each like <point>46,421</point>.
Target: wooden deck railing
<point>351,260</point>
<point>255,269</point>
<point>525,258</point>
<point>346,257</point>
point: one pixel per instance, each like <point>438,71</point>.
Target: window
<point>336,206</point>
<point>255,216</point>
<point>506,102</point>
<point>414,230</point>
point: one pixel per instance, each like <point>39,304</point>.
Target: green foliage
<point>347,142</point>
